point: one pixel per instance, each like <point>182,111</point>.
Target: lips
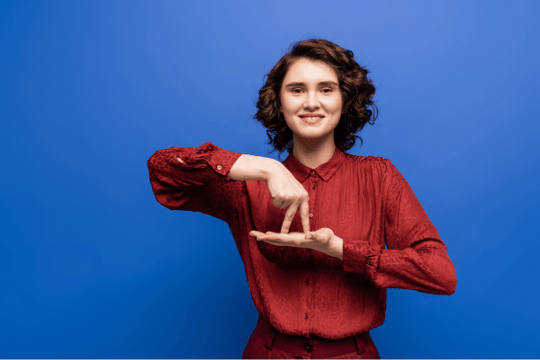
<point>312,118</point>
<point>311,115</point>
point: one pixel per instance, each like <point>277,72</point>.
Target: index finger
<point>304,215</point>
<point>289,216</point>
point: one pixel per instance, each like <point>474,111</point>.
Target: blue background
<point>92,266</point>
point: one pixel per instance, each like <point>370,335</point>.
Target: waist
<point>316,346</point>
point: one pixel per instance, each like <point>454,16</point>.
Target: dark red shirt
<point>364,200</point>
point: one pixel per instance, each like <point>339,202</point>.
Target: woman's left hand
<point>323,240</point>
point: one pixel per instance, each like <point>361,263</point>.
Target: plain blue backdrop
<point>91,266</point>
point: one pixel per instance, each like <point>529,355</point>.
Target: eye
<point>327,90</point>
<point>296,91</point>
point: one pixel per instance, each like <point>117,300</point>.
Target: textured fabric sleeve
<point>416,257</point>
<point>200,183</point>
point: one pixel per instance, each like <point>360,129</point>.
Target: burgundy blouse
<point>364,200</point>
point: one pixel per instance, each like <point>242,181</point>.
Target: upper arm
<point>406,221</point>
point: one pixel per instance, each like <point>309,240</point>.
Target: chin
<point>311,136</point>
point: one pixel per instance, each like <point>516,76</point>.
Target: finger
<point>255,233</point>
<point>260,235</point>
<point>271,188</point>
<point>278,236</point>
<point>280,240</point>
<point>271,240</point>
<point>304,215</point>
<point>279,203</point>
<point>274,242</point>
<point>289,216</point>
<point>262,238</point>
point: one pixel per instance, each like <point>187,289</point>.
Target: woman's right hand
<point>287,192</point>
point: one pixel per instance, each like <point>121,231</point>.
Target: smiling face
<point>311,100</point>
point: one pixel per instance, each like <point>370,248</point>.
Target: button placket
<point>314,183</point>
<point>311,199</point>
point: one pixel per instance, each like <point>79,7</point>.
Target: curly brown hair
<point>356,88</point>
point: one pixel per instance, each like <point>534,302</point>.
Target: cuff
<point>360,258</point>
<point>219,160</point>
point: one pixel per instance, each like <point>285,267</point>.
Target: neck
<point>313,152</point>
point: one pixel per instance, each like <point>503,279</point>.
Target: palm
<point>316,240</point>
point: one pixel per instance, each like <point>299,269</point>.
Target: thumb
<point>310,235</point>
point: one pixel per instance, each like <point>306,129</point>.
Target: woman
<point>311,230</point>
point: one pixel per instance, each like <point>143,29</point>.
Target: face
<point>311,100</point>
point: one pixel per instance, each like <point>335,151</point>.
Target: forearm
<point>251,167</point>
<point>194,179</point>
<point>424,267</point>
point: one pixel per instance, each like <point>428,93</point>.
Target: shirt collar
<point>325,171</point>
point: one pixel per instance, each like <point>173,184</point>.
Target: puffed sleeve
<point>199,183</point>
<point>416,257</point>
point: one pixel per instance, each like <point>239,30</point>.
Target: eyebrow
<point>322,83</point>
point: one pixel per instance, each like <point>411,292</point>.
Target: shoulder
<point>373,162</point>
<point>380,170</point>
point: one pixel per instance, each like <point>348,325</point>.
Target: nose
<point>312,100</point>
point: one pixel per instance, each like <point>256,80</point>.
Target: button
<point>310,215</point>
<point>308,347</point>
<point>306,316</point>
<point>306,282</point>
<point>219,167</point>
<point>308,250</point>
<point>314,186</point>
<point>314,172</point>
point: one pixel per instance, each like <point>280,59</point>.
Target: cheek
<point>339,102</point>
<point>287,105</point>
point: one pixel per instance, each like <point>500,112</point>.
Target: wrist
<point>270,167</point>
<point>252,167</point>
<point>336,247</point>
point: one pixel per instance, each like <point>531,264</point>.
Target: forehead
<point>310,71</point>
